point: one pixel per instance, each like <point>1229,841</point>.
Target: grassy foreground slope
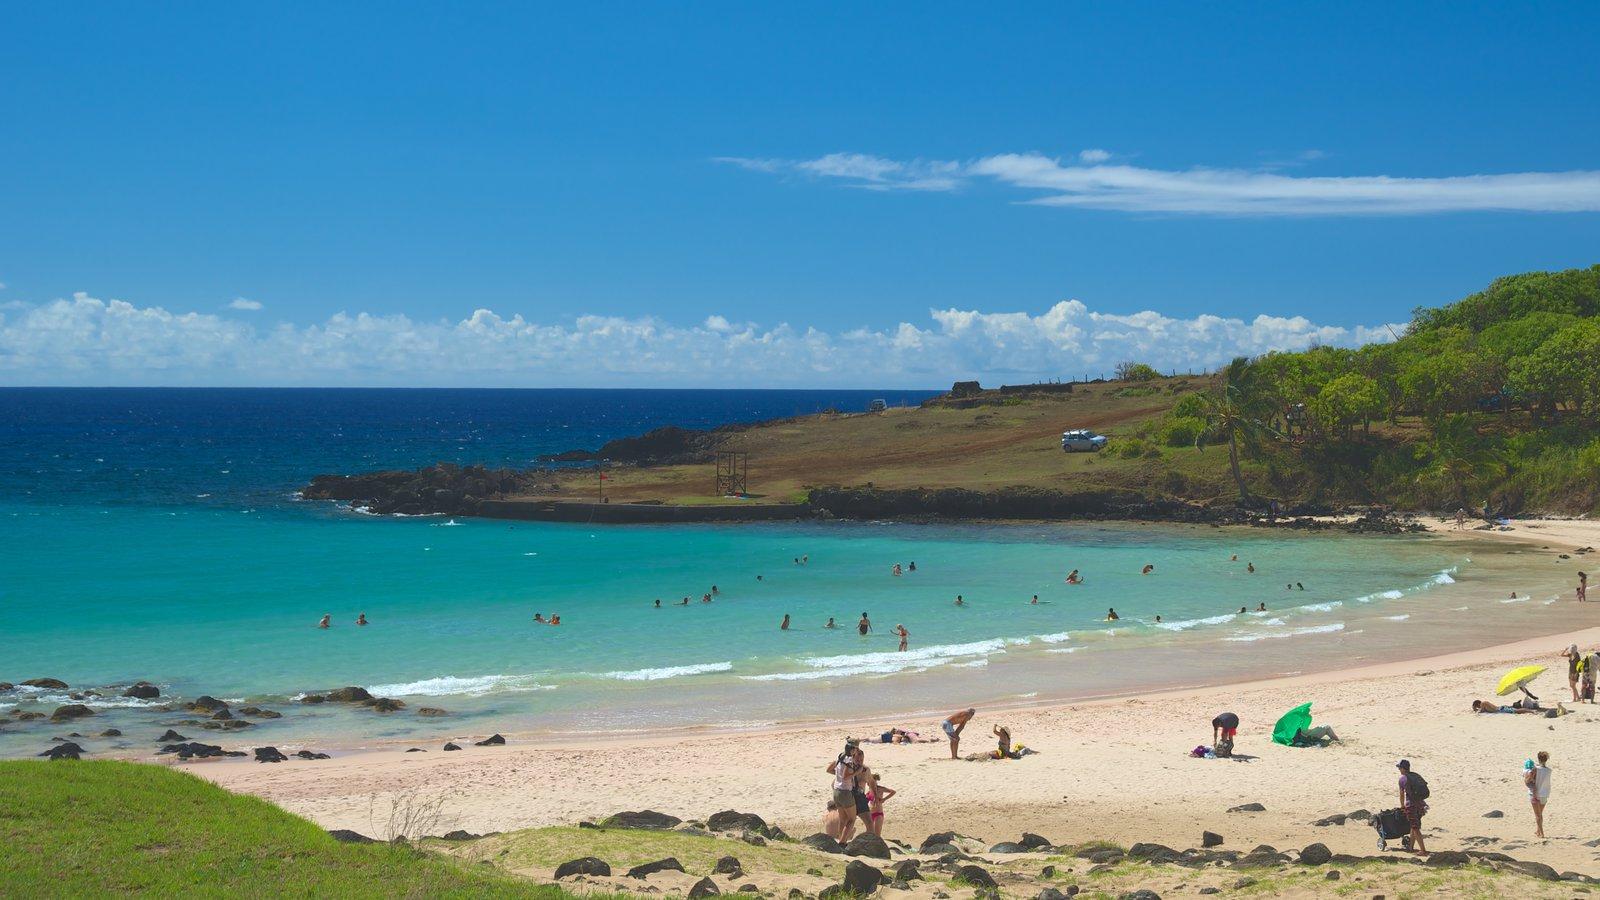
<point>106,827</point>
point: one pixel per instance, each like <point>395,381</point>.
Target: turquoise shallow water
<point>225,602</point>
<point>154,535</point>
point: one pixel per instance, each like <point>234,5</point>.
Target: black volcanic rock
<point>444,488</point>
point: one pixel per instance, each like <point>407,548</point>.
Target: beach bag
<point>1224,748</point>
<point>1416,786</point>
<point>1587,691</point>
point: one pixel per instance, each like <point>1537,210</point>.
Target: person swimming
<point>554,620</point>
<point>865,625</point>
<point>1074,578</point>
<point>1111,615</point>
<point>658,603</point>
<point>1034,601</point>
<point>1262,607</point>
<point>1147,569</point>
<point>895,571</point>
<point>327,621</point>
<point>830,623</point>
<point>361,619</point>
<point>1250,567</point>
<point>1298,586</point>
<point>684,602</point>
<point>911,566</point>
<point>1233,558</point>
<point>1158,619</point>
<point>784,625</point>
<point>714,591</point>
<point>960,601</point>
<point>705,598</point>
<point>539,617</point>
<point>758,578</point>
<point>1243,610</point>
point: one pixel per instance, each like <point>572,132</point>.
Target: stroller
<point>1391,824</point>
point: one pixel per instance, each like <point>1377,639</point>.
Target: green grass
<point>71,829</point>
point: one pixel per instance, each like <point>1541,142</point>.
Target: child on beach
<point>1537,779</point>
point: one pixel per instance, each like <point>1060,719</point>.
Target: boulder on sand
<point>729,820</point>
<point>1316,855</point>
<point>705,887</point>
<point>728,865</point>
<point>308,754</point>
<point>195,749</point>
<point>1033,841</point>
<point>976,876</point>
<point>1247,807</point>
<point>1210,839</point>
<point>346,836</point>
<point>170,737</point>
<point>647,818</point>
<point>645,870</point>
<point>823,842</point>
<point>867,844</point>
<point>586,865</point>
<point>860,878</point>
<point>269,755</point>
<point>451,746</point>
<point>66,750</point>
<point>495,740</point>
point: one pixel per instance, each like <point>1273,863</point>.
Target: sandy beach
<point>1115,769</point>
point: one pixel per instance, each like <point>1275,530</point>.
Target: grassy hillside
<point>99,828</point>
<point>1493,399</point>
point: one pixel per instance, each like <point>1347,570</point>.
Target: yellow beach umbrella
<point>1518,679</point>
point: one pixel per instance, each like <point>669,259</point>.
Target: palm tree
<point>1459,457</point>
<point>1239,412</point>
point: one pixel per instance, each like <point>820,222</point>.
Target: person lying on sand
<point>1490,706</point>
<point>1320,736</point>
<point>953,725</point>
<point>900,736</point>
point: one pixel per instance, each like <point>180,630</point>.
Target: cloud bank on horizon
<point>1091,181</point>
<point>88,341</point>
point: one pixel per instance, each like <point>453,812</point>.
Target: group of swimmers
<point>327,620</point>
<point>896,571</point>
<point>553,620</point>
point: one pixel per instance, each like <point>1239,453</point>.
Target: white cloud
<point>1208,191</point>
<point>89,341</point>
<point>245,304</point>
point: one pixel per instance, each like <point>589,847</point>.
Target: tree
<point>1238,412</point>
<point>1458,458</point>
<point>1344,401</point>
<point>1136,371</point>
<point>1560,370</point>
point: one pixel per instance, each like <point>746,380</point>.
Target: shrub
<point>1136,371</point>
<point>1179,431</point>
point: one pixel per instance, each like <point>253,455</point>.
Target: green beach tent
<point>1291,723</point>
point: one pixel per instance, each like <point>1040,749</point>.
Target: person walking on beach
<point>1461,518</point>
<point>1583,586</point>
<point>954,725</point>
<point>784,626</point>
<point>327,621</point>
<point>905,636</point>
<point>1574,666</point>
<point>1537,778</point>
<point>1413,801</point>
<point>864,626</point>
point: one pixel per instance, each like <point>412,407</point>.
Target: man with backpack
<point>1413,800</point>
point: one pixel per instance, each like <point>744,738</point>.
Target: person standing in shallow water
<point>327,621</point>
<point>905,636</point>
<point>784,626</point>
<point>864,626</point>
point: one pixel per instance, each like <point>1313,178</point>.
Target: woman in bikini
<point>875,799</point>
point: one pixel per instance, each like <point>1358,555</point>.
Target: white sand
<point>1115,769</point>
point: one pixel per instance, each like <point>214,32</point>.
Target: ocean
<point>157,535</point>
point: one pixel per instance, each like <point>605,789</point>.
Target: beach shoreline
<point>1138,744</point>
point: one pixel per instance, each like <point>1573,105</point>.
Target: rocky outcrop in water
<point>445,489</point>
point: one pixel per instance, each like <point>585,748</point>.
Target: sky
<point>749,195</point>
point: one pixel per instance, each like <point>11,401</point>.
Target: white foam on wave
<point>892,662</point>
<point>1399,618</point>
<point>1323,607</point>
<point>1186,624</point>
<point>1059,637</point>
<point>1444,577</point>
<point>658,674</point>
<point>446,685</point>
<point>1381,595</point>
<point>452,523</point>
<point>1516,600</point>
<point>1293,632</point>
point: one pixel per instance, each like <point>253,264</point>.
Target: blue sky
<point>667,186</point>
